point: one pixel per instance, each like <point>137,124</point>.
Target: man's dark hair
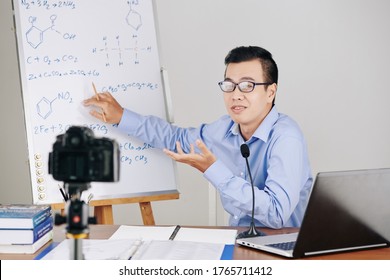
<point>241,54</point>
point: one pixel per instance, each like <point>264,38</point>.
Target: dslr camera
<point>79,157</point>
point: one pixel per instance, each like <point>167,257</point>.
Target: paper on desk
<point>143,232</point>
<point>94,249</point>
<point>179,250</point>
<point>222,236</point>
<point>189,243</point>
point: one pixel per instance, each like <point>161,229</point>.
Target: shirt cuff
<point>218,174</point>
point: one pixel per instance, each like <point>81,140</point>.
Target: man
<point>279,159</point>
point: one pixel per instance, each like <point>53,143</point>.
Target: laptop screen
<point>347,209</point>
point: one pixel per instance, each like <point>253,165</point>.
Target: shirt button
<point>242,174</point>
<point>235,217</point>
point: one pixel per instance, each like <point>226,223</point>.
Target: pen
<point>174,233</point>
<point>90,196</point>
<point>98,98</point>
<point>133,249</point>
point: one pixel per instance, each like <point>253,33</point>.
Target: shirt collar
<point>263,131</point>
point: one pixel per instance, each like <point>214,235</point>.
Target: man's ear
<point>271,91</point>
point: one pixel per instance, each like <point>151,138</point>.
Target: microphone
<point>251,232</point>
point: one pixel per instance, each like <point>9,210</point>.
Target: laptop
<point>347,210</point>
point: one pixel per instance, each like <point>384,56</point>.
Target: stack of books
<point>24,228</point>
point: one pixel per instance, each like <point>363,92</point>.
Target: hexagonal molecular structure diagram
<point>134,19</point>
<point>44,107</point>
<point>34,36</point>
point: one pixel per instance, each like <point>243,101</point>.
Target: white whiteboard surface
<point>63,47</point>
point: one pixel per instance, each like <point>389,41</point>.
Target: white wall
<point>14,174</point>
<point>333,59</point>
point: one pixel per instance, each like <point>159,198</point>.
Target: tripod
<point>77,219</point>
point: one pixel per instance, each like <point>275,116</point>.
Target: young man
<point>278,159</point>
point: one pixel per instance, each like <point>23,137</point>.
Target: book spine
<point>41,217</point>
<point>43,228</point>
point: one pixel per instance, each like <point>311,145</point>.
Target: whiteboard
<point>64,47</point>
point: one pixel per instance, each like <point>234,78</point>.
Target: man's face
<point>248,109</point>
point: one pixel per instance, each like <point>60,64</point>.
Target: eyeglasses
<point>244,86</point>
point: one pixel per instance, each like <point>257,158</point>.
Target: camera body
<point>79,157</point>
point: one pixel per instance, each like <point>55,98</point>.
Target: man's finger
<point>94,113</point>
<point>169,153</point>
<point>178,148</point>
<point>90,101</point>
<point>202,146</point>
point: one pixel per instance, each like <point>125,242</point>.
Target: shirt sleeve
<point>156,131</point>
<point>275,202</point>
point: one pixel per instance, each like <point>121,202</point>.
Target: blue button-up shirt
<point>278,161</point>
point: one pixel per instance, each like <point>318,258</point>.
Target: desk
<point>240,252</point>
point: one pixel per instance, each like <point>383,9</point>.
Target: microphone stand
<point>251,232</point>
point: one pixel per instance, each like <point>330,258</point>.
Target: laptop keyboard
<point>283,245</point>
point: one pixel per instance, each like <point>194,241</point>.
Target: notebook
<point>347,210</point>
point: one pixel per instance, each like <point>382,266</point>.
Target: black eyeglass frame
<point>238,84</point>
